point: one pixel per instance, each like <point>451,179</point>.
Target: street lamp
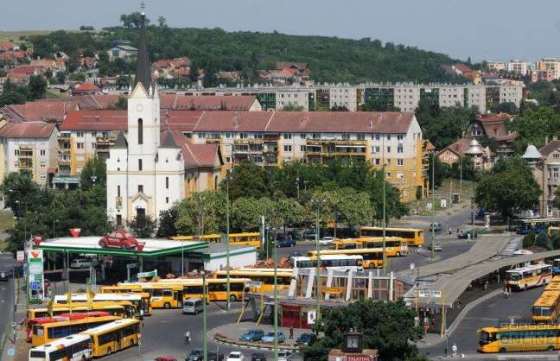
<point>433,204</point>
<point>228,286</point>
<point>319,204</point>
<point>204,316</point>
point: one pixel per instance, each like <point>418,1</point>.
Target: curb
<point>252,345</point>
<point>449,331</point>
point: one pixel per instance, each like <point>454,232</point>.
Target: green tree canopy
<point>94,172</point>
<point>534,125</point>
<point>509,188</point>
<point>142,226</point>
<point>203,212</point>
<point>167,220</point>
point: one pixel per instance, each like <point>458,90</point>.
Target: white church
<point>151,167</point>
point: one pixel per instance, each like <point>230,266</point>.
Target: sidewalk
<point>20,347</point>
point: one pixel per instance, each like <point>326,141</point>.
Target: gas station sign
<point>35,281</point>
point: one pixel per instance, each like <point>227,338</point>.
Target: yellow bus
<point>262,279</point>
<point>145,296</point>
<point>139,301</point>
<point>114,336</point>
<point>413,236</point>
<point>394,247</point>
<point>47,332</point>
<point>162,295</point>
<point>249,239</point>
<point>529,276</point>
<point>519,337</point>
<point>372,257</point>
<point>216,288</point>
<point>113,309</point>
<point>547,307</point>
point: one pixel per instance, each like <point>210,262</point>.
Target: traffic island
<point>229,335</point>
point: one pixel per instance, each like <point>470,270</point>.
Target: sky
<point>480,29</point>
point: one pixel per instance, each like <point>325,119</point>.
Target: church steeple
<point>143,66</point>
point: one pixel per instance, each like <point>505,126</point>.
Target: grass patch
<point>6,222</point>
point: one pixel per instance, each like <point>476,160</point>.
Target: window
<point>167,200</point>
<point>80,145</point>
<point>388,149</point>
<point>140,131</point>
<point>80,134</point>
<point>302,148</point>
<point>139,164</point>
<point>377,136</point>
<point>16,152</point>
<point>242,135</point>
<point>140,188</point>
<point>400,137</point>
<point>316,136</point>
<point>388,136</point>
<point>287,148</point>
<point>43,152</point>
<point>166,182</point>
<point>303,136</point>
<point>400,148</point>
<point>377,161</point>
<point>400,162</point>
<point>118,191</point>
<point>287,136</point>
<point>361,137</point>
<point>228,135</point>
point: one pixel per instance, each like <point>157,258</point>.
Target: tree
<point>507,107</point>
<point>162,22</point>
<point>292,107</point>
<point>436,169</point>
<point>288,211</point>
<point>20,192</point>
<point>122,103</point>
<point>94,172</point>
<point>534,126</point>
<point>201,213</point>
<point>386,326</point>
<point>509,188</point>
<point>167,220</point>
<point>352,208</point>
<point>13,94</point>
<point>37,87</point>
<point>133,20</point>
<point>246,180</point>
<point>142,226</point>
<point>246,214</point>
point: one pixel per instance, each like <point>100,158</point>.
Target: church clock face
<point>139,108</point>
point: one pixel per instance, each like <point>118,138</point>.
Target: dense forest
<point>330,59</point>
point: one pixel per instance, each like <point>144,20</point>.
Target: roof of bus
<point>215,235</point>
<point>54,345</point>
<point>81,320</point>
<point>553,286</point>
<point>329,256</point>
<point>363,239</point>
<point>111,326</point>
<point>198,281</point>
<point>102,297</point>
<point>547,299</point>
<point>520,327</point>
<point>329,252</point>
<point>393,228</point>
<point>79,307</point>
<point>529,268</point>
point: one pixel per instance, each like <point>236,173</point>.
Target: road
<point>164,334</point>
<point>497,309</point>
<point>6,297</point>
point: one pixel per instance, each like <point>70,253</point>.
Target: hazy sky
<point>482,29</point>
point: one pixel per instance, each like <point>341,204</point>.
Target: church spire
<point>143,66</point>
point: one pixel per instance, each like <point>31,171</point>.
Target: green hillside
<point>330,59</point>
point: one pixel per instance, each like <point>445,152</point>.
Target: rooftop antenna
<point>143,7</point>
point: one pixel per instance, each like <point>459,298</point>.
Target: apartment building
<point>545,165</point>
<point>343,97</point>
<point>518,67</point>
<point>29,146</point>
<point>548,69</point>
<point>272,138</point>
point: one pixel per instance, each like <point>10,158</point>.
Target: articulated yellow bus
<point>145,296</point>
<point>394,246</point>
<point>520,337</point>
<point>372,257</point>
<point>110,307</point>
<point>250,239</point>
<point>47,332</point>
<point>262,279</point>
<point>216,288</point>
<point>547,307</point>
<point>140,301</point>
<point>113,336</point>
<point>413,236</point>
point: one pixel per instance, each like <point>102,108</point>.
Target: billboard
<point>35,280</point>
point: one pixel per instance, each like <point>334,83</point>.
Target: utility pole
<point>433,204</point>
<point>275,258</point>
<point>317,270</point>
<point>384,212</point>
<point>204,317</point>
<point>228,286</point>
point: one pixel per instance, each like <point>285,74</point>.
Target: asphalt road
<point>164,334</point>
<point>6,296</point>
<point>491,312</point>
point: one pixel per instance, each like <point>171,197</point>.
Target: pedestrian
<point>291,333</point>
<point>188,336</point>
<point>450,231</point>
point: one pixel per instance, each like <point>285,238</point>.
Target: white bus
<point>529,276</point>
<point>335,262</point>
<point>72,348</point>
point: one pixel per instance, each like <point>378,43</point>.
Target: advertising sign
<point>35,283</point>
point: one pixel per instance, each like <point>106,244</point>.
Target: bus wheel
<point>166,305</point>
<point>232,298</point>
<point>550,348</point>
<point>109,351</point>
<point>502,350</point>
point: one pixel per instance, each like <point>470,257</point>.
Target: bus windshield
<point>542,311</point>
<point>487,337</point>
<point>515,276</point>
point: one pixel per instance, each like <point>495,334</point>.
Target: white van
<point>192,306</point>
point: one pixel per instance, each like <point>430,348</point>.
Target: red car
<point>120,239</point>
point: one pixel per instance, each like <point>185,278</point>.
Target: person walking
<point>188,336</point>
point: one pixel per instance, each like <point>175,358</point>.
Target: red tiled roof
<point>24,70</point>
<point>85,88</point>
<point>99,120</point>
<point>549,148</point>
<point>463,68</point>
<point>233,121</point>
<point>7,46</point>
<point>180,120</point>
<point>200,155</point>
<point>496,117</point>
<point>42,110</point>
<point>460,146</point>
<point>27,130</point>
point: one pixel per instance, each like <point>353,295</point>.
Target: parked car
<point>286,242</point>
<point>435,246</point>
<point>325,241</point>
<point>258,356</point>
<point>436,226</point>
<point>195,355</point>
<point>284,355</point>
<point>213,356</point>
<point>252,335</point>
<point>305,339</point>
<point>471,233</point>
<point>81,263</point>
<point>120,239</point>
<point>309,235</point>
<point>5,275</point>
<point>192,306</point>
<point>235,356</point>
<point>269,337</point>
